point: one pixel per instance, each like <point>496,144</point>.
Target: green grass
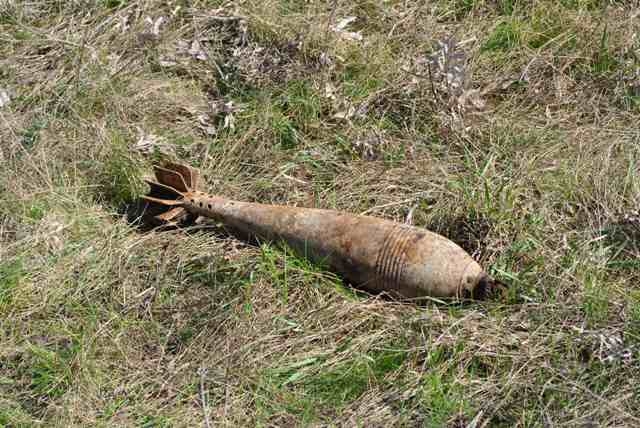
<point>546,25</point>
<point>114,4</point>
<point>440,398</point>
<point>120,175</point>
<point>604,60</point>
<point>505,36</point>
<point>634,319</point>
<point>10,275</point>
<point>30,135</point>
<point>596,301</point>
<point>50,371</point>
<point>348,381</point>
<point>106,324</point>
<point>508,7</point>
<point>309,387</point>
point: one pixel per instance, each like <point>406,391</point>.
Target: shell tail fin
<point>167,192</point>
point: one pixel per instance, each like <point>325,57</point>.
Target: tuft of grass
<point>634,315</point>
<point>546,25</point>
<point>603,62</point>
<point>508,7</point>
<point>314,384</point>
<point>288,7</point>
<point>120,175</point>
<point>50,371</point>
<point>11,274</point>
<point>114,4</point>
<point>149,421</point>
<point>31,134</point>
<point>461,8</point>
<point>596,300</point>
<point>440,398</point>
<point>360,87</point>
<point>12,415</point>
<point>286,268</point>
<point>586,4</point>
<point>505,36</point>
<point>347,381</point>
<point>300,104</point>
<point>284,131</point>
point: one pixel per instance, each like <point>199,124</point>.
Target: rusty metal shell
<point>372,253</point>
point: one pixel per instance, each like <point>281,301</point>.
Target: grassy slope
<point>102,325</point>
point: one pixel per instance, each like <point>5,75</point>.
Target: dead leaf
<point>359,111</point>
<point>325,60</point>
<point>409,218</point>
<point>205,124</point>
<point>329,91</point>
<point>196,51</point>
<point>370,146</point>
<point>229,122</point>
<point>342,24</point>
<point>155,30</point>
<point>226,109</point>
<point>123,23</point>
<point>51,233</point>
<point>348,35</point>
<point>4,97</point>
<point>472,98</point>
<point>167,62</point>
<point>345,114</point>
<point>351,35</point>
<point>149,143</point>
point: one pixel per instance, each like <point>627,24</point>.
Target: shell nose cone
<point>474,281</point>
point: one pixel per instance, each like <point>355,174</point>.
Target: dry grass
<point>531,164</point>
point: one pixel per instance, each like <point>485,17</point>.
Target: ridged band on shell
<point>392,260</point>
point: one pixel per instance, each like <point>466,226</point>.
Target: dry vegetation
<point>509,126</point>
